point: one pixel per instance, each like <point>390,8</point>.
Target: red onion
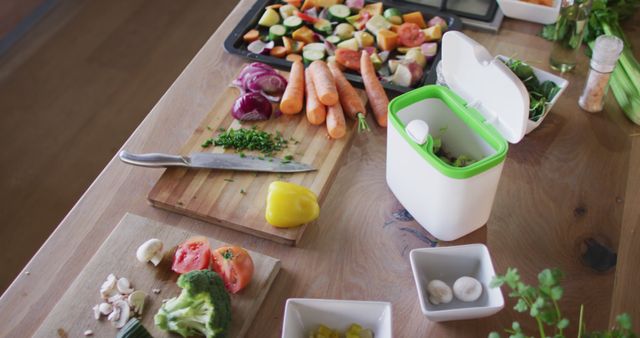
<point>259,47</point>
<point>357,4</point>
<point>269,84</point>
<point>251,107</point>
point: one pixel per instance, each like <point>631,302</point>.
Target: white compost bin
<point>485,106</point>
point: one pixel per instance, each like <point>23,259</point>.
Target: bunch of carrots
<point>330,95</point>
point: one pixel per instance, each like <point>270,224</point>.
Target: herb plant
<point>542,304</point>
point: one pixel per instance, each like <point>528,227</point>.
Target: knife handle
<point>153,160</point>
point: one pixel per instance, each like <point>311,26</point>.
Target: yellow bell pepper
<point>290,205</point>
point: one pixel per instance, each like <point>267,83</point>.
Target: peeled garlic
<point>467,289</point>
<point>439,292</point>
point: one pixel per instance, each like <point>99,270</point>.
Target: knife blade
<point>215,161</point>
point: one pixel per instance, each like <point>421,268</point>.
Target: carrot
<point>336,125</point>
<point>316,111</point>
<point>296,3</point>
<point>349,98</point>
<point>278,51</point>
<point>294,57</point>
<point>293,96</point>
<point>377,97</point>
<point>251,36</point>
<point>324,83</point>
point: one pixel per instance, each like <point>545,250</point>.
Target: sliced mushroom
<point>136,301</point>
<point>116,298</point>
<point>150,251</point>
<point>107,288</point>
<point>105,308</point>
<point>115,314</point>
<point>96,312</point>
<point>123,308</point>
<point>124,286</point>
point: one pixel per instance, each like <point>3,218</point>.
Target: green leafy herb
<point>541,303</point>
<point>540,94</point>
<point>242,191</point>
<point>446,157</point>
<point>229,180</point>
<point>288,157</point>
<point>221,129</point>
<point>251,139</point>
<point>207,143</point>
<point>242,154</point>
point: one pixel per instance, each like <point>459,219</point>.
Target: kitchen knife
<point>215,161</point>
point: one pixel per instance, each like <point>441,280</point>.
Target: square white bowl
<point>303,315</point>
<point>530,12</point>
<point>543,76</point>
<point>448,264</point>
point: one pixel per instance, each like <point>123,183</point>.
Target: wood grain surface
<point>237,200</point>
<point>73,314</point>
<point>563,184</point>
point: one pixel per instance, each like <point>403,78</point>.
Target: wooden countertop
<point>564,189</point>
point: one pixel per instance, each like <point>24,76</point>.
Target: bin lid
<point>486,84</point>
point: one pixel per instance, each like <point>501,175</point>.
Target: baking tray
<point>235,45</point>
<point>481,10</point>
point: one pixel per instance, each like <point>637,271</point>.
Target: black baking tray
<point>462,8</point>
<point>235,45</point>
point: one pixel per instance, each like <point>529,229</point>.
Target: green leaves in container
<point>540,94</point>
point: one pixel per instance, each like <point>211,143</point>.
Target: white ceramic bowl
<point>530,12</point>
<point>543,76</point>
<point>302,316</point>
<point>448,264</point>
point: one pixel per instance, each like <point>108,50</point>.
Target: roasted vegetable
<point>202,308</point>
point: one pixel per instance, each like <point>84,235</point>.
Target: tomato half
<point>192,254</point>
<point>234,265</point>
<point>348,58</point>
<point>410,35</point>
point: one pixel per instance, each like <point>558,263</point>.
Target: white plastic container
<point>522,10</point>
<point>486,106</point>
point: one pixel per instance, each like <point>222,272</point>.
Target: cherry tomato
<point>192,254</point>
<point>234,265</point>
<point>348,58</point>
<point>410,35</point>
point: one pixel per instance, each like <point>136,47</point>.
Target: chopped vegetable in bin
<point>384,32</point>
<point>354,331</point>
<point>460,161</point>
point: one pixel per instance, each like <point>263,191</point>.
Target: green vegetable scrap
<point>460,161</point>
<point>249,139</point>
<point>202,308</point>
<point>542,304</point>
<point>133,329</point>
<point>605,18</point>
<point>540,94</point>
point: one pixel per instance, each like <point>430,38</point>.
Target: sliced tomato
<point>307,18</point>
<point>192,254</point>
<point>410,35</point>
<point>234,265</point>
<point>348,58</point>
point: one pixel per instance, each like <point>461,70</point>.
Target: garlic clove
<point>96,312</point>
<point>439,292</point>
<point>105,308</point>
<point>123,308</point>
<point>467,289</point>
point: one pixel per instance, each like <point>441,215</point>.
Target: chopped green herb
<point>207,143</point>
<point>251,139</point>
<point>285,161</point>
<point>242,154</point>
<point>228,179</point>
<point>540,94</point>
<point>221,129</point>
<point>288,157</point>
<point>242,191</point>
<point>209,128</point>
<point>261,158</point>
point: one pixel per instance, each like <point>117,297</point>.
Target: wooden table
<point>568,186</point>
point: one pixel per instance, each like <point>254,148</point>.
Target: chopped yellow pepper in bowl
<point>290,205</point>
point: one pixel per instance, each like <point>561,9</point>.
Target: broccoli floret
<point>203,307</point>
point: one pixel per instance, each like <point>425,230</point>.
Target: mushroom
<point>122,307</point>
<point>150,251</point>
<point>124,286</point>
<point>467,289</point>
<point>115,314</point>
<point>136,301</point>
<point>439,292</point>
<point>105,308</point>
<point>107,289</point>
<point>116,298</point>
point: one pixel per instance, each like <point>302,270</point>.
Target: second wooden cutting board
<point>73,313</point>
<point>237,200</point>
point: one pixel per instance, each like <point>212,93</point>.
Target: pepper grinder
<point>606,52</point>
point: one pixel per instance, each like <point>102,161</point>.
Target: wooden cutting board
<point>237,200</point>
<point>73,314</point>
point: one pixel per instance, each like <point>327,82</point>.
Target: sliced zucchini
<point>292,23</point>
<point>276,32</point>
<point>333,39</point>
<point>269,18</point>
<point>323,26</point>
<point>311,55</point>
<point>344,31</point>
<point>339,12</point>
<point>317,46</point>
<point>376,23</point>
<point>393,15</point>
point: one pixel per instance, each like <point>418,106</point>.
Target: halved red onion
<point>251,107</point>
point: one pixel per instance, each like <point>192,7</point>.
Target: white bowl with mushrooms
<point>453,282</point>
